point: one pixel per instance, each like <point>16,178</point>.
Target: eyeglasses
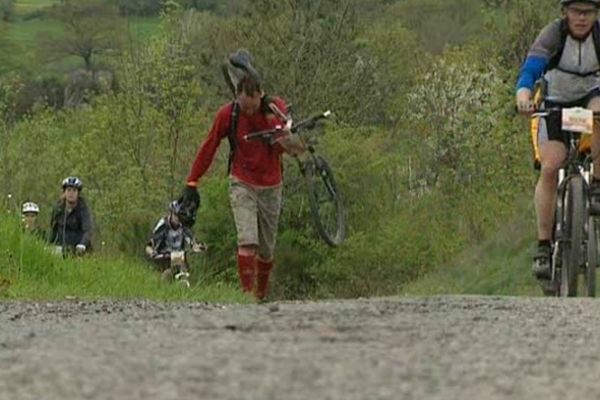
<point>583,12</point>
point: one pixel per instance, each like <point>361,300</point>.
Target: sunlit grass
<point>30,270</point>
<point>500,265</point>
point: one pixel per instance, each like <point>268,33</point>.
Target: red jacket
<point>254,162</point>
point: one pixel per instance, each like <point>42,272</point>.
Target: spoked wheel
<point>589,274</point>
<point>573,230</point>
<point>325,201</point>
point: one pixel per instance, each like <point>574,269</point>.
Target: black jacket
<point>166,239</point>
<point>73,228</point>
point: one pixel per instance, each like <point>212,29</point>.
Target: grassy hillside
<point>24,7</point>
<point>29,270</point>
<point>498,266</point>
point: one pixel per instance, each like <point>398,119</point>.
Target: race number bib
<point>578,119</point>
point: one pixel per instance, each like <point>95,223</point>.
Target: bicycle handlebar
<point>308,123</point>
<point>544,112</point>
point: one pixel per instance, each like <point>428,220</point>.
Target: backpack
<point>564,33</point>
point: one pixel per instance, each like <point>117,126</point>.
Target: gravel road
<point>387,348</point>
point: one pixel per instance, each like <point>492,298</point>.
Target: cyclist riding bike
<point>255,188</point>
<point>171,234</point>
<point>30,212</point>
<point>566,56</point>
<point>71,225</point>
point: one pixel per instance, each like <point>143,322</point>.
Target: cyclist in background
<point>171,234</point>
<point>30,212</point>
<point>71,225</point>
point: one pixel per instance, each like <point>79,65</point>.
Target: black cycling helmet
<point>565,3</point>
<point>186,211</point>
<point>72,181</point>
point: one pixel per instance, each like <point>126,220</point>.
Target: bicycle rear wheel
<point>589,275</point>
<point>572,243</point>
<point>325,201</point>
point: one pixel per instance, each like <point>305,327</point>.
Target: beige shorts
<point>256,214</point>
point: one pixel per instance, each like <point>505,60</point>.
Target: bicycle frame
<point>317,173</point>
<point>576,164</point>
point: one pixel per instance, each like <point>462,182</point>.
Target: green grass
<point>499,266</point>
<point>23,7</point>
<point>25,36</point>
<point>29,270</point>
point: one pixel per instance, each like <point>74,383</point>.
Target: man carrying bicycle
<point>566,55</point>
<point>255,170</point>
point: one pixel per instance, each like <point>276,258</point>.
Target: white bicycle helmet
<point>72,181</point>
<point>30,207</point>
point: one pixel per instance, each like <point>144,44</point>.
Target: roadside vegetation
<point>424,142</point>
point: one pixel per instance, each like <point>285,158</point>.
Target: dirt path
<point>430,348</point>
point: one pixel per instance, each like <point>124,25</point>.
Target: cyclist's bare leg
<point>594,105</point>
<point>552,154</point>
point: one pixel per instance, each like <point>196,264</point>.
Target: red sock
<point>263,270</point>
<point>247,272</point>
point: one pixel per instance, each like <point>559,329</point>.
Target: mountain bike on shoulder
<point>324,197</point>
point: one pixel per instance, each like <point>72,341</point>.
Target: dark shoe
<point>542,262</point>
<point>548,287</point>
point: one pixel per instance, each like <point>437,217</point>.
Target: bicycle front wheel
<point>572,251</point>
<point>325,201</point>
<point>589,275</point>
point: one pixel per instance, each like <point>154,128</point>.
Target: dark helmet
<point>175,207</point>
<point>185,211</point>
<point>72,181</point>
<point>237,66</point>
<point>565,3</point>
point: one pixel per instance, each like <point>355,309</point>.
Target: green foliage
<point>311,52</point>
<point>90,27</point>
<point>440,23</point>
<point>30,270</point>
<point>426,151</point>
<point>457,124</point>
<point>7,9</point>
<point>497,266</point>
<point>513,25</point>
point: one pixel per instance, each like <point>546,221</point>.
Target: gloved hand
<point>190,195</point>
<point>80,248</point>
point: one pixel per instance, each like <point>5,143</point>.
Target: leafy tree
<point>90,28</point>
<point>440,23</point>
<point>7,8</point>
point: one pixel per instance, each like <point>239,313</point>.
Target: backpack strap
<point>231,135</point>
<point>564,32</point>
<point>596,37</point>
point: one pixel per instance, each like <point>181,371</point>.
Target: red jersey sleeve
<point>209,146</point>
